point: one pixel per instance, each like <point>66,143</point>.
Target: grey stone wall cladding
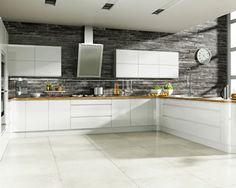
<point>205,79</point>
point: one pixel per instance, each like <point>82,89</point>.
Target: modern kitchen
<point>118,93</point>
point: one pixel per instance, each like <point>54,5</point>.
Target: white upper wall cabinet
<point>25,60</point>
<point>127,56</point>
<point>146,64</point>
<point>48,53</point>
<point>3,36</point>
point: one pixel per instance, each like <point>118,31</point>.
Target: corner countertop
<point>176,97</point>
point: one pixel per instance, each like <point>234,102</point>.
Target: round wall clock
<point>203,56</point>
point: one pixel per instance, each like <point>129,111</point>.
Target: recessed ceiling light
<point>108,6</point>
<point>158,11</point>
<point>50,2</point>
<point>169,4</point>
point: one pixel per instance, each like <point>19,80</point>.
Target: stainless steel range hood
<point>89,56</point>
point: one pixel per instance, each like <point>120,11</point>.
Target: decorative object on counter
<point>168,88</point>
<point>98,91</point>
<point>60,87</point>
<point>225,93</point>
<point>35,95</point>
<point>116,88</point>
<point>156,89</point>
<point>233,96</point>
<point>48,86</point>
<point>203,56</point>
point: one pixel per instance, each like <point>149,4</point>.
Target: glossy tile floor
<point>127,160</point>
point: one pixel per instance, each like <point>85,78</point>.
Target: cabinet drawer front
<point>88,122</point>
<point>90,110</point>
<point>82,102</point>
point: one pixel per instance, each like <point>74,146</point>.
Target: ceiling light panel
<point>50,2</point>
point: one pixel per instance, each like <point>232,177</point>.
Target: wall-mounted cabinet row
<point>46,115</point>
<point>146,64</point>
<point>26,60</point>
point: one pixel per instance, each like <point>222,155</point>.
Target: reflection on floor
<point>126,160</point>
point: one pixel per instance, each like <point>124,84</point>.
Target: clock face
<point>203,56</point>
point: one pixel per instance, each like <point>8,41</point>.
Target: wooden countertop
<point>124,97</point>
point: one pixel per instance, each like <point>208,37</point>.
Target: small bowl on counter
<point>35,95</point>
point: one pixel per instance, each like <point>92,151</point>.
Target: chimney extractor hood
<point>90,56</point>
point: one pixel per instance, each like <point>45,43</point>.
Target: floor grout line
<point>57,167</point>
<point>109,158</point>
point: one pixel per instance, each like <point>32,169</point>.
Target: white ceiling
<point>126,14</point>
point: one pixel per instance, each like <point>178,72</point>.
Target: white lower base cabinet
<point>90,122</point>
<point>36,115</point>
<point>142,112</point>
<point>18,116</point>
<point>59,115</point>
<point>121,113</point>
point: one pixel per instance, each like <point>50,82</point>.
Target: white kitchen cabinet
<point>91,110</point>
<point>147,64</point>
<point>18,116</point>
<point>20,68</point>
<point>127,56</point>
<point>20,53</point>
<point>90,122</point>
<point>37,115</point>
<point>127,70</point>
<point>26,60</point>
<point>142,112</point>
<point>47,69</point>
<point>47,61</point>
<point>3,37</point>
<point>59,114</point>
<point>169,58</point>
<point>149,71</point>
<point>168,71</point>
<point>48,53</point>
<point>149,58</point>
<point>121,113</point>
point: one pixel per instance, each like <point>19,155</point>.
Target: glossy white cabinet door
<point>149,58</point>
<point>19,116</point>
<point>20,53</point>
<point>20,68</point>
<point>48,53</point>
<point>90,110</point>
<point>47,61</point>
<point>90,122</point>
<point>127,56</point>
<point>36,115</point>
<point>121,113</point>
<point>168,71</point>
<point>142,112</point>
<point>1,32</point>
<point>169,58</point>
<point>149,71</point>
<point>47,68</point>
<point>59,114</point>
<point>127,70</point>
